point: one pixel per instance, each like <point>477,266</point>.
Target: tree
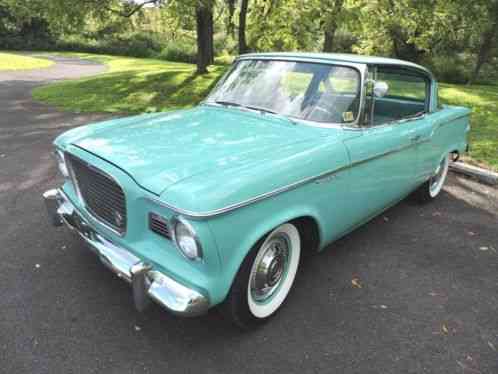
<point>487,45</point>
<point>242,26</point>
<point>204,30</point>
<point>331,12</point>
<point>230,26</point>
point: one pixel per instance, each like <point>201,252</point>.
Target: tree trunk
<point>328,44</point>
<point>210,37</point>
<point>229,21</point>
<point>487,44</point>
<point>242,26</point>
<point>204,28</point>
<point>332,12</point>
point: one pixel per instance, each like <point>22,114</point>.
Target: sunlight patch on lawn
<point>9,61</point>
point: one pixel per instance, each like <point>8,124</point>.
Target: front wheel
<point>265,277</point>
<point>431,188</point>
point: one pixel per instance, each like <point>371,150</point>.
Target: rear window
<point>404,85</point>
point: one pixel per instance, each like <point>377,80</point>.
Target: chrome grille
<point>159,225</point>
<point>103,197</point>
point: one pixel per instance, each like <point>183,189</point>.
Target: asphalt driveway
<point>424,297</point>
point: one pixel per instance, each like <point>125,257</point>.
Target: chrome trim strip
<point>390,152</point>
<point>441,124</point>
<point>289,187</point>
<point>228,208</point>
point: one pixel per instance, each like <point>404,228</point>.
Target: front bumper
<point>147,283</point>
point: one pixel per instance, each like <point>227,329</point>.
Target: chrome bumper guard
<point>147,283</point>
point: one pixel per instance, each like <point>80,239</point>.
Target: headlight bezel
<point>176,221</point>
<point>61,163</point>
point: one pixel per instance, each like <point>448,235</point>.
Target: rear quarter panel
<point>450,127</point>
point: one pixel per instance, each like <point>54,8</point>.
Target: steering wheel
<point>332,112</point>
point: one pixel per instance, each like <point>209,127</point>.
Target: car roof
<point>341,57</point>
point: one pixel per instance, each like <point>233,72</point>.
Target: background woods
<point>456,38</point>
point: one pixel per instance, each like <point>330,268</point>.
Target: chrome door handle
<point>415,138</point>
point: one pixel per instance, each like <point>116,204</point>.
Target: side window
<point>407,95</point>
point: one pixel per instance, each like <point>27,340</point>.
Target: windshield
<point>303,90</point>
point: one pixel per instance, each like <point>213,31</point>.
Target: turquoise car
<point>217,205</point>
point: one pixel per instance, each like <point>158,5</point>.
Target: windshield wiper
<point>264,110</point>
<point>227,103</point>
<point>255,108</point>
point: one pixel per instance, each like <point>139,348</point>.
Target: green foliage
<point>429,32</point>
<point>179,50</point>
<point>134,45</point>
<point>451,68</point>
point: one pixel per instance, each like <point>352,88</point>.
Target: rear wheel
<point>265,277</point>
<point>431,188</point>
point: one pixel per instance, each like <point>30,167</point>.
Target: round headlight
<point>61,163</point>
<point>186,239</point>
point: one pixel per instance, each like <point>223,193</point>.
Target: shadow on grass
<point>132,90</point>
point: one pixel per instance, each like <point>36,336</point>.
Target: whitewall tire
<point>433,186</point>
<point>265,277</point>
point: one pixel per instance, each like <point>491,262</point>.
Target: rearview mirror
<point>380,89</point>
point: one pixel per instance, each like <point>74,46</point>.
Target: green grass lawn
<point>9,61</point>
<point>131,85</point>
<point>483,100</point>
<point>137,85</point>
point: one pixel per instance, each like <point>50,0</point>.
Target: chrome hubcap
<point>272,264</point>
<point>436,179</point>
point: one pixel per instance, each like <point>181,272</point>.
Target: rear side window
<point>407,95</point>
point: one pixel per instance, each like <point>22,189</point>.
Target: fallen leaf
<point>483,248</point>
<point>445,329</point>
<point>356,283</point>
<point>471,233</point>
<point>436,214</point>
<point>492,346</point>
<point>382,306</point>
<point>137,328</point>
<point>386,219</point>
<point>37,266</point>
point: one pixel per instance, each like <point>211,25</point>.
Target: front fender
<point>246,227</point>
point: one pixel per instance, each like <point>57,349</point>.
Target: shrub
<point>450,69</point>
<point>180,51</point>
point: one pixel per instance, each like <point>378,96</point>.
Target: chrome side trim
<point>441,124</point>
<point>390,152</point>
<point>289,187</point>
<point>229,208</point>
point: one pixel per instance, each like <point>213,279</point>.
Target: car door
<point>384,158</point>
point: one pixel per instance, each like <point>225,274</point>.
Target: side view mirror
<point>380,89</point>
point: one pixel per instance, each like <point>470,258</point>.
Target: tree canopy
<point>432,32</point>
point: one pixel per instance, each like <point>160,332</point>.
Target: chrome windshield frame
<point>362,70</point>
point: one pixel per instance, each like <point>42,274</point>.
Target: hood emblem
<point>118,218</point>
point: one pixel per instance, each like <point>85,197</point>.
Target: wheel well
<point>308,230</point>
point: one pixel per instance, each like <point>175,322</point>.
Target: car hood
<point>160,150</point>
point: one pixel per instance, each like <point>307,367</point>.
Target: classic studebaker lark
<point>216,205</point>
